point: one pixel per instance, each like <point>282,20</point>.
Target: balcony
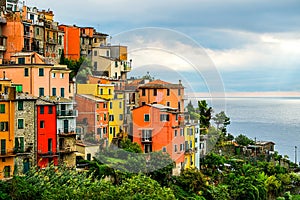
<point>189,151</point>
<point>7,153</point>
<point>66,131</point>
<point>51,41</point>
<point>66,149</point>
<point>67,113</point>
<point>146,140</point>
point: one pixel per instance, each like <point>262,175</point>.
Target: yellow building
<point>189,154</point>
<point>7,109</point>
<point>116,117</point>
<point>104,91</point>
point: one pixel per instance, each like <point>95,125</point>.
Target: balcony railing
<point>145,140</point>
<point>7,153</point>
<point>68,131</point>
<point>67,113</point>
<point>67,149</point>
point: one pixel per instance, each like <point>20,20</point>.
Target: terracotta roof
<point>160,84</point>
<point>92,97</point>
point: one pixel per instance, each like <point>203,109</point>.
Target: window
<point>168,103</point>
<point>191,131</point>
<point>176,117</point>
<point>101,91</point>
<point>164,149</point>
<point>104,130</point>
<point>42,124</point>
<point>95,53</point>
<point>164,117</point>
<point>20,123</point>
<point>175,147</point>
<point>111,118</point>
<point>179,92</point>
<point>19,144</point>
<point>175,133</point>
<point>179,105</point>
<point>42,109</point>
<point>181,147</point>
<point>41,92</point>
<point>146,117</point>
<point>50,109</point>
<point>26,72</point>
<point>154,92</point>
<point>109,91</point>
<point>49,145</point>
<point>98,118</point>
<point>105,105</point>
<point>146,135</point>
<point>120,104</point>
<point>191,144</point>
<point>60,40</point>
<point>3,126</point>
<point>120,117</point>
<point>99,131</point>
<point>95,66</point>
<point>3,146</point>
<point>143,92</point>
<point>110,105</point>
<point>116,63</point>
<point>38,31</point>
<point>147,148</point>
<point>21,61</point>
<point>6,171</point>
<point>143,103</point>
<point>97,105</point>
<point>168,92</point>
<point>20,105</point>
<point>53,75</point>
<point>41,72</point>
<point>2,108</point>
<point>53,91</point>
<point>62,92</point>
<point>107,53</point>
<point>104,117</point>
<point>62,75</point>
<point>181,132</point>
<point>88,156</point>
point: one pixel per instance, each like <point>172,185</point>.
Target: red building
<point>156,128</point>
<point>92,116</point>
<point>46,134</point>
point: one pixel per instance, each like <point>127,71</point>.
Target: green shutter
<point>2,108</point>
<point>22,144</point>
<point>16,144</point>
<point>3,147</point>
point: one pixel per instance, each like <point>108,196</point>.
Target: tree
<point>243,140</point>
<point>205,114</point>
<point>221,120</point>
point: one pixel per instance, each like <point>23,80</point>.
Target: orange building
<point>7,120</point>
<point>40,79</point>
<point>156,128</point>
<point>14,31</point>
<point>71,41</point>
<point>161,92</point>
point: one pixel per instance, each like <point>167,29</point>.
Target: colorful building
<point>71,41</point>
<point>46,134</point>
<point>25,133</point>
<point>156,128</point>
<point>7,119</point>
<point>40,79</point>
<point>189,146</point>
<point>65,129</point>
<point>116,117</point>
<point>161,92</point>
<point>92,116</point>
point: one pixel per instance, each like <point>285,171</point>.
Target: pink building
<point>40,79</point>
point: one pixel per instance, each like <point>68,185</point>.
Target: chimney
<point>179,82</point>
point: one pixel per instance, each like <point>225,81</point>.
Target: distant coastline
<point>268,94</point>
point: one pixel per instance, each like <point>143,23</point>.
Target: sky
<point>216,46</point>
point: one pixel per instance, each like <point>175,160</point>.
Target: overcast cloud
<point>254,45</point>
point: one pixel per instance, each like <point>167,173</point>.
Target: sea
<point>275,119</point>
